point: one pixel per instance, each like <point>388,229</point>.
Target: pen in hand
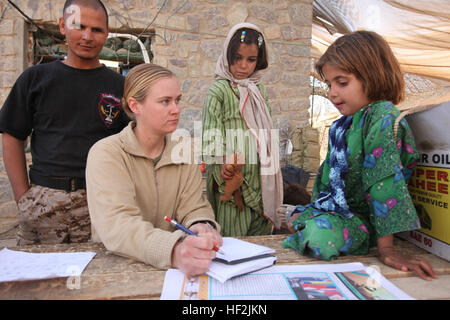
<point>186,230</point>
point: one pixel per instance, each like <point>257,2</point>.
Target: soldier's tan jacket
<point>128,197</point>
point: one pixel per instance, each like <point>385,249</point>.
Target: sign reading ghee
<point>429,183</point>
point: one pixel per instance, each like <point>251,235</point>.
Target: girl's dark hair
<point>368,56</point>
<point>294,194</point>
<point>251,37</point>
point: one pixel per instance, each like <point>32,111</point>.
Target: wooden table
<point>109,276</point>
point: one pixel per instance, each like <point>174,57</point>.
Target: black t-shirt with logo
<point>66,110</point>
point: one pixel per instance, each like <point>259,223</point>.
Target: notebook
<point>238,251</point>
<point>240,257</point>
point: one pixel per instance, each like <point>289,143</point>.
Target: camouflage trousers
<point>50,216</point>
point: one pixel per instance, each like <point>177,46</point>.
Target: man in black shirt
<point>66,106</point>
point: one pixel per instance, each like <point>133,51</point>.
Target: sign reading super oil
<point>429,189</point>
<point>429,184</point>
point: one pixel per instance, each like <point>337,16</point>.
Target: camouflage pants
<point>50,216</point>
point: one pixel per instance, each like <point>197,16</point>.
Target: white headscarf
<point>255,113</point>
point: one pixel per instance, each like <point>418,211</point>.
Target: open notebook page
<point>236,251</point>
<point>223,272</point>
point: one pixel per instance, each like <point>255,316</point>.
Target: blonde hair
<point>139,80</point>
<point>368,56</point>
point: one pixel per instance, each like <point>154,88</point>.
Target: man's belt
<point>68,184</point>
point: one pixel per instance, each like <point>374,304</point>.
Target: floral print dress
<point>376,189</point>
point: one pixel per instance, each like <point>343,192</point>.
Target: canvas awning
<point>417,31</point>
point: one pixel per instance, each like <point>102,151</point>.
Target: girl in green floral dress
<point>360,197</point>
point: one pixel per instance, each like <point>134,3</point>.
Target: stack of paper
<point>240,257</point>
<point>18,266</point>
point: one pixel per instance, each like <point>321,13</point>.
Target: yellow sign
<point>429,189</point>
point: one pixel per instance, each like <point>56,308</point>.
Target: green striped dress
<point>225,132</point>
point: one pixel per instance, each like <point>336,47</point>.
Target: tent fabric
<point>419,34</point>
<point>418,31</point>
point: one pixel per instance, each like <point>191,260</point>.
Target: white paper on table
<point>20,266</point>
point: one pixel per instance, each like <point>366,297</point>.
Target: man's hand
<point>15,164</point>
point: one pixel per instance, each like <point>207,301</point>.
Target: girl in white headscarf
<point>236,119</point>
